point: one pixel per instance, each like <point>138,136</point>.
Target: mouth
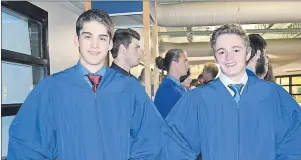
<point>230,65</point>
<point>94,53</point>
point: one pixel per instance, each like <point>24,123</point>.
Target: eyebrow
<point>102,35</point>
<point>220,49</point>
<point>236,47</point>
<point>232,47</point>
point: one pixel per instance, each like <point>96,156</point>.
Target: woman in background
<point>171,90</point>
<point>270,74</point>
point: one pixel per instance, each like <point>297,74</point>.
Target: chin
<point>95,62</point>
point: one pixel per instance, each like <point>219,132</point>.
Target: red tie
<point>94,79</point>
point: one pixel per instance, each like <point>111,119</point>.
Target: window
<point>292,84</point>
<point>25,59</point>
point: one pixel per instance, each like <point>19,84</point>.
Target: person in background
<point>236,116</point>
<point>88,111</point>
<point>262,67</point>
<point>176,65</point>
<point>270,75</point>
<point>258,51</point>
<point>186,80</point>
<point>201,79</point>
<point>194,83</point>
<point>125,51</point>
<point>210,72</point>
<point>141,78</point>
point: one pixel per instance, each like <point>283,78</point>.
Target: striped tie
<point>236,88</point>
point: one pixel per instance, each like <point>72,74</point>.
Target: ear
<point>122,49</point>
<point>111,45</point>
<point>76,41</point>
<point>248,53</point>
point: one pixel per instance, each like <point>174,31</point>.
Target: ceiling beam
<point>196,33</point>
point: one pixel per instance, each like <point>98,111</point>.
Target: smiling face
<point>231,55</point>
<point>94,43</point>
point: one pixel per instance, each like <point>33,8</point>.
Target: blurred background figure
<point>186,80</point>
<point>258,53</point>
<point>194,83</point>
<point>201,79</point>
<point>210,72</point>
<point>262,67</point>
<point>270,74</point>
<point>141,78</point>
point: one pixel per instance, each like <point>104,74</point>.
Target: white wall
<point>62,51</point>
<point>61,32</point>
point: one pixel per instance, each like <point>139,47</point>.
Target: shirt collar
<point>84,71</point>
<point>173,79</point>
<point>226,81</point>
<point>118,68</point>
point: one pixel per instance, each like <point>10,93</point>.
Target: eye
<point>236,50</point>
<point>221,53</point>
<point>103,38</point>
<point>87,37</point>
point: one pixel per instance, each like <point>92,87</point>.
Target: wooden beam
<point>155,49</point>
<point>147,53</point>
<point>88,5</point>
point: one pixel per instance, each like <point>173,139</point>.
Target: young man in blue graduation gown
<point>87,112</point>
<point>126,51</point>
<point>170,90</point>
<point>237,117</point>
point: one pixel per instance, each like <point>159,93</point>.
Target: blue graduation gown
<point>250,73</point>
<point>168,94</point>
<point>265,125</point>
<point>62,117</point>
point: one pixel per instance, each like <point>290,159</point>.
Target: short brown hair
<point>229,29</point>
<point>124,37</point>
<point>95,15</point>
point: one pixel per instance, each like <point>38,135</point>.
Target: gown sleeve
<point>184,121</point>
<point>32,133</point>
<point>288,126</point>
<point>146,129</point>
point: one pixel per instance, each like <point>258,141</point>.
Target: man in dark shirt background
<point>126,50</point>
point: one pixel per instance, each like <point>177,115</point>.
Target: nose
<point>229,56</point>
<point>94,43</point>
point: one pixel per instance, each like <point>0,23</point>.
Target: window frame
<point>290,85</point>
<point>37,14</point>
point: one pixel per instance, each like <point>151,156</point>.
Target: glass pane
<point>6,121</point>
<point>278,80</point>
<point>296,80</point>
<point>285,81</point>
<point>297,98</point>
<point>296,89</point>
<point>20,34</point>
<point>13,89</point>
<point>287,88</point>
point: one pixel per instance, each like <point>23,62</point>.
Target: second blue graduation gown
<point>168,94</point>
<point>265,125</point>
<point>62,117</point>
